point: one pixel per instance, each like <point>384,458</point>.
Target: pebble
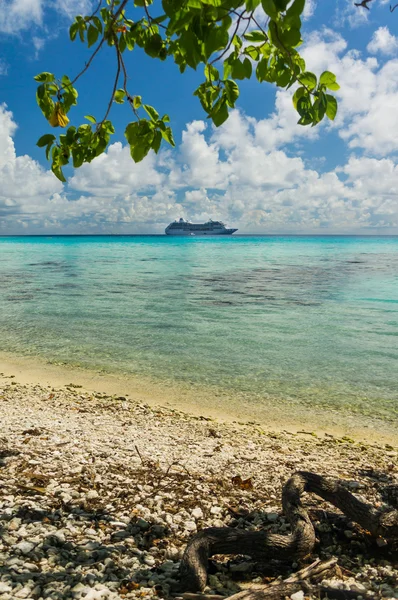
<point>25,547</point>
<point>131,530</point>
<point>197,513</point>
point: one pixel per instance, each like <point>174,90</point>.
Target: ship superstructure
<point>182,227</point>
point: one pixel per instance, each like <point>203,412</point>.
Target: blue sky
<point>259,172</point>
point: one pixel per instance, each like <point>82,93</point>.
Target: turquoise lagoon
<point>304,321</point>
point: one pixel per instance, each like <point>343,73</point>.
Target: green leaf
<point>301,91</point>
<point>119,96</point>
<point>331,108</point>
<point>253,52</point>
<point>48,149</point>
<point>140,151</point>
<point>238,70</point>
<point>231,91</point>
<point>308,80</point>
<point>167,135</point>
<point>303,105</point>
<point>157,140</point>
<point>333,86</point>
<point>270,8</point>
<point>151,112</point>
<point>252,5</point>
<point>255,36</point>
<point>296,8</point>
<point>248,68</point>
<point>153,45</point>
<point>306,119</point>
<point>281,4</point>
<point>327,78</point>
<point>261,70</point>
<point>291,37</point>
<point>92,35</point>
<point>44,77</point>
<point>122,42</point>
<point>82,28</point>
<point>45,139</point>
<point>211,73</point>
<point>216,39</point>
<point>73,31</point>
<point>90,118</point>
<point>78,157</point>
<point>221,115</point>
<point>56,169</point>
<point>284,78</point>
<point>137,101</point>
<point>97,23</point>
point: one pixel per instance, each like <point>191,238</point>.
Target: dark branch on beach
<point>264,545</point>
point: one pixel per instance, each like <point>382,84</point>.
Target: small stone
<point>4,588</point>
<point>297,596</point>
<point>197,513</point>
<point>92,495</point>
<point>272,517</point>
<point>25,592</point>
<point>150,561</point>
<point>190,526</point>
<point>142,524</point>
<point>25,547</point>
<point>216,510</point>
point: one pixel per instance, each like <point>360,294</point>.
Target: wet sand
<point>270,414</point>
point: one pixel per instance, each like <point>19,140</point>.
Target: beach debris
<point>243,484</point>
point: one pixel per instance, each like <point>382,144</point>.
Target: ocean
<point>297,321</point>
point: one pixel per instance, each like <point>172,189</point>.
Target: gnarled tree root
<point>264,545</point>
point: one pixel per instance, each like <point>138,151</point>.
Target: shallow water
<point>308,321</point>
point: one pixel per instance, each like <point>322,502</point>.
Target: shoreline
<point>201,402</point>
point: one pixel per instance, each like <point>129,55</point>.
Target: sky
<point>259,171</point>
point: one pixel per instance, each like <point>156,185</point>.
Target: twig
<point>231,40</point>
<point>89,62</point>
<point>139,454</point>
<point>114,86</point>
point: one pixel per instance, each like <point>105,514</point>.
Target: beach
<point>271,414</point>
<point>100,493</point>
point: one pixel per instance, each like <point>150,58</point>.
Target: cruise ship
<point>182,227</point>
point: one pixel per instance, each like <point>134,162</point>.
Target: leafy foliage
<point>241,37</point>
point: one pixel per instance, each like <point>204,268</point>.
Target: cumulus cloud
<point>220,173</point>
<point>384,42</point>
<point>24,184</point>
<point>368,97</point>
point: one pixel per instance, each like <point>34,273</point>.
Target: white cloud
<point>368,97</point>
<point>384,42</point>
<point>73,7</point>
<point>309,9</point>
<point>17,15</point>
<point>24,184</point>
<point>221,173</point>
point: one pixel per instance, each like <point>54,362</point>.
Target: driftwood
<point>299,544</point>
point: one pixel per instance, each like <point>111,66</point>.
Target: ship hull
<point>200,233</point>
